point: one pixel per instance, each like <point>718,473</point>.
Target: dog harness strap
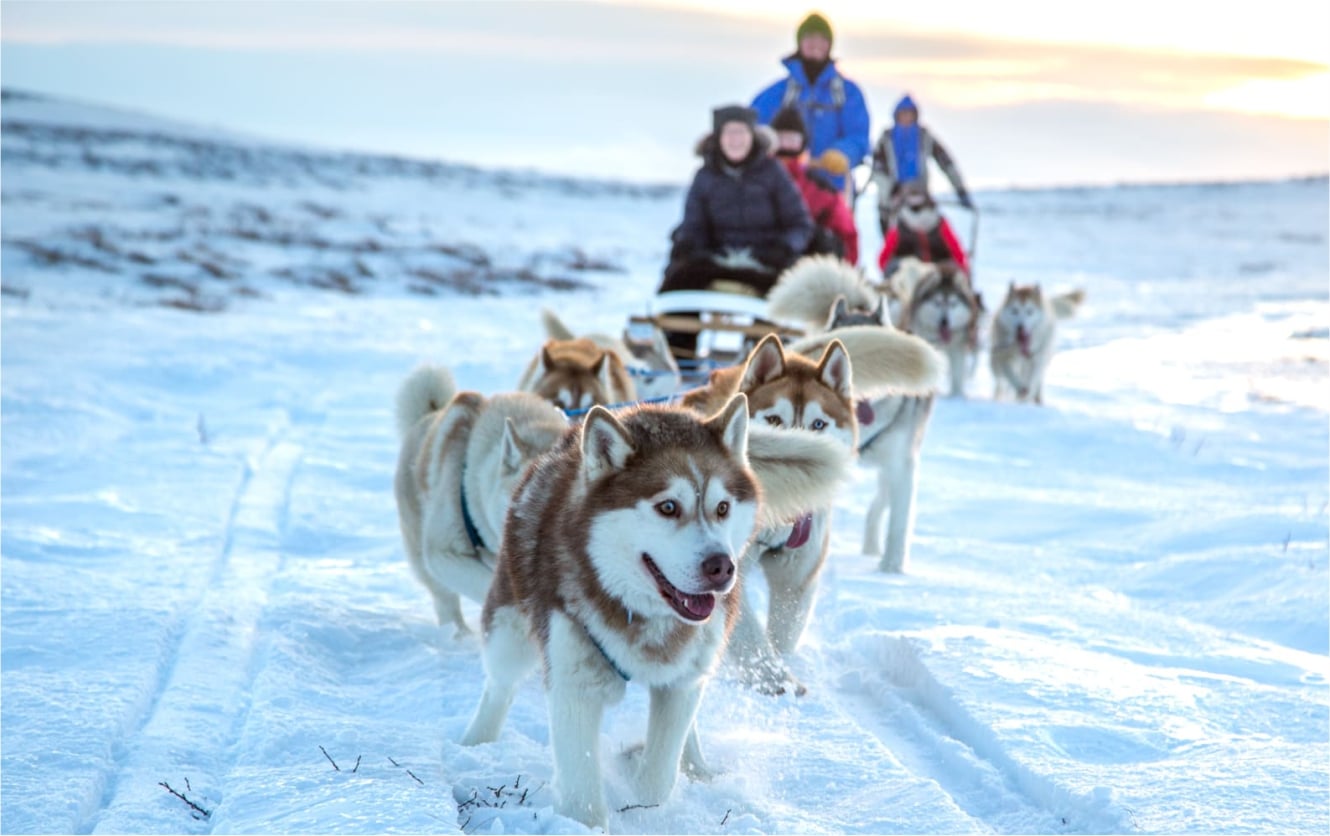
<point>886,425</point>
<point>472,533</point>
<point>613,665</point>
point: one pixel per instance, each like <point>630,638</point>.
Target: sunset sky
<point>1022,92</point>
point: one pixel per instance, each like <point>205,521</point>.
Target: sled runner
<point>726,324</point>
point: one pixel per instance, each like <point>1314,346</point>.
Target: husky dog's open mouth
<point>690,607</point>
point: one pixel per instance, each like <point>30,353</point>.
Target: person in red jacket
<point>835,232</point>
<point>920,231</point>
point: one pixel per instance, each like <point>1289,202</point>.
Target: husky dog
<point>891,424</point>
<point>577,374</point>
<point>790,390</point>
<point>618,562</point>
<point>653,368</point>
<point>945,311</point>
<point>1022,338</point>
<point>461,456</point>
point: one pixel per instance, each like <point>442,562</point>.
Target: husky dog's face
<point>794,392</point>
<point>842,315</point>
<point>674,506</point>
<point>576,379</point>
<point>1022,313</point>
<point>942,313</point>
<point>661,370</point>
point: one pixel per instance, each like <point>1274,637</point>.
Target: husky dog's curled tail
<point>427,389</point>
<point>1065,304</point>
<point>799,471</point>
<point>882,361</point>
<point>807,291</point>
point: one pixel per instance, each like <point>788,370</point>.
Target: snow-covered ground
<point>1117,616</point>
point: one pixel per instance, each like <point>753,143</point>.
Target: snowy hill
<point>1116,618</point>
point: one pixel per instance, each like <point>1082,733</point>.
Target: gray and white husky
<point>1023,339</point>
<point>619,563</point>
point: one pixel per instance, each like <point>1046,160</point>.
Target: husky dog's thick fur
<point>461,456</point>
<point>619,557</point>
<point>789,389</point>
<point>1022,339</point>
<point>653,368</point>
<point>577,374</point>
<point>810,287</point>
<point>945,311</point>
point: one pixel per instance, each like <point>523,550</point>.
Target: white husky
<point>461,456</point>
<point>618,560</point>
<point>1023,336</point>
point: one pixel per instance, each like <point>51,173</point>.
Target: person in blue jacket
<point>831,105</point>
<point>901,157</point>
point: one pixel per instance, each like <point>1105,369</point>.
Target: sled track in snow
<point>209,660</point>
<point>935,737</point>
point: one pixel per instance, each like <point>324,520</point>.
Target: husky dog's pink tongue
<point>1023,339</point>
<point>944,331</point>
<point>803,527</point>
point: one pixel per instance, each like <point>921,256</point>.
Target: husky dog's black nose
<point>718,569</point>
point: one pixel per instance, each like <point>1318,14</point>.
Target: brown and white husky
<point>787,389</point>
<point>619,562</point>
<point>577,374</point>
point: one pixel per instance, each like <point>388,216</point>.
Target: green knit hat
<point>814,24</point>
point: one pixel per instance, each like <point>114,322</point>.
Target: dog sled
<point>726,325</point>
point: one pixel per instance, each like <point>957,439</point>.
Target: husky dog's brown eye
<point>774,420</point>
<point>723,509</point>
<point>818,425</point>
<point>668,508</point>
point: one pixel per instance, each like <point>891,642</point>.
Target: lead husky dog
<point>577,374</point>
<point>891,424</point>
<point>788,389</point>
<point>945,311</point>
<point>618,562</point>
<point>653,368</point>
<point>461,456</point>
<point>1023,335</point>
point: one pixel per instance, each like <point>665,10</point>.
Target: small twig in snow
<point>357,766</point>
<point>727,818</point>
<point>413,775</point>
<point>182,797</point>
<point>637,807</point>
<point>330,760</point>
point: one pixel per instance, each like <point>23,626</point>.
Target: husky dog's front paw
<point>770,677</point>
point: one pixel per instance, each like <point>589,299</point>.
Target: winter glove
<point>774,255</point>
<point>833,162</point>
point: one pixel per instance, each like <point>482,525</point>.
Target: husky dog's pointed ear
<point>602,372</point>
<point>546,358</point>
<point>510,450</point>
<point>766,363</point>
<point>834,368</point>
<point>732,425</point>
<point>606,446</point>
<point>839,310</point>
<point>661,346</point>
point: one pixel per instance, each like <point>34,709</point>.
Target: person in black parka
<point>744,218</point>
